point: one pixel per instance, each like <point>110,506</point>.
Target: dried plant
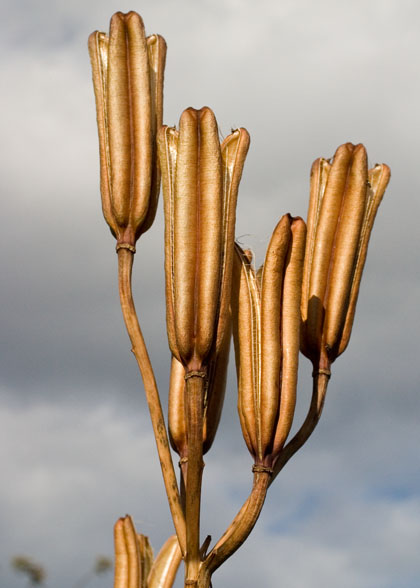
<point>302,298</point>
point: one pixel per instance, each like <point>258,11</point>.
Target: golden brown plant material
<point>344,199</point>
<point>266,318</point>
<point>213,399</point>
<point>200,184</point>
<point>127,71</point>
<point>165,566</point>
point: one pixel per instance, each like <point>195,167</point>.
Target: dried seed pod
<point>121,556</point>
<point>213,401</point>
<point>266,330</point>
<point>127,71</point>
<point>146,558</point>
<point>127,554</point>
<point>165,566</point>
<point>344,199</point>
<point>133,555</point>
<point>200,183</point>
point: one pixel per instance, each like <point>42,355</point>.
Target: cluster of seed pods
<point>303,297</point>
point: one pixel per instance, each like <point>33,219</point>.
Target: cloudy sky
<point>76,447</point>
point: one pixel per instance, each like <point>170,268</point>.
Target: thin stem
<point>241,525</point>
<point>125,264</point>
<point>194,391</point>
<point>320,384</point>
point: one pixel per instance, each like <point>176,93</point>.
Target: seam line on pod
<point>103,56</point>
<point>198,248</point>
<point>255,304</point>
<point>130,115</point>
<point>338,226</point>
<point>171,184</point>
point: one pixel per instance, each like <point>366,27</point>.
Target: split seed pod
<point>213,399</point>
<point>133,555</point>
<point>127,71</point>
<point>266,330</point>
<point>344,199</point>
<point>200,181</point>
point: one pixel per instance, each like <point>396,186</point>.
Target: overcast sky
<point>76,447</point>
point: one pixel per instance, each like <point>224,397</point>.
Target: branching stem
<point>319,390</point>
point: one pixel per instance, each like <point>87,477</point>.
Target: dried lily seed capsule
<point>127,72</point>
<point>121,556</point>
<point>266,319</point>
<point>165,566</point>
<point>213,401</point>
<point>246,310</point>
<point>378,178</point>
<point>146,558</point>
<point>200,181</point>
<point>340,219</point>
<point>133,553</point>
<point>290,332</point>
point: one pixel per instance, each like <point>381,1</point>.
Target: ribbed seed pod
<point>266,327</point>
<point>213,401</point>
<point>146,558</point>
<point>344,198</point>
<point>200,182</point>
<point>133,555</point>
<point>165,566</point>
<point>127,71</point>
<point>127,554</point>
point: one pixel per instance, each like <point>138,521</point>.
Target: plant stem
<point>125,264</point>
<point>319,390</point>
<point>242,524</point>
<point>194,391</point>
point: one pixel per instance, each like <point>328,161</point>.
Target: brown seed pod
<point>165,566</point>
<point>213,400</point>
<point>200,182</point>
<point>342,208</point>
<point>127,71</point>
<point>266,318</point>
<point>133,555</point>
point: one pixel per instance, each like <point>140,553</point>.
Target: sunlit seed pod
<point>200,181</point>
<point>346,242</point>
<point>379,177</point>
<point>322,238</point>
<point>246,309</point>
<point>121,556</point>
<point>343,202</point>
<point>271,328</point>
<point>198,220</point>
<point>146,558</point>
<point>266,324</point>
<point>127,73</point>
<point>132,547</point>
<point>177,424</point>
<point>217,375</point>
<point>234,150</point>
<point>213,402</point>
<point>156,47</point>
<point>165,566</point>
<point>290,332</point>
<point>168,150</point>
